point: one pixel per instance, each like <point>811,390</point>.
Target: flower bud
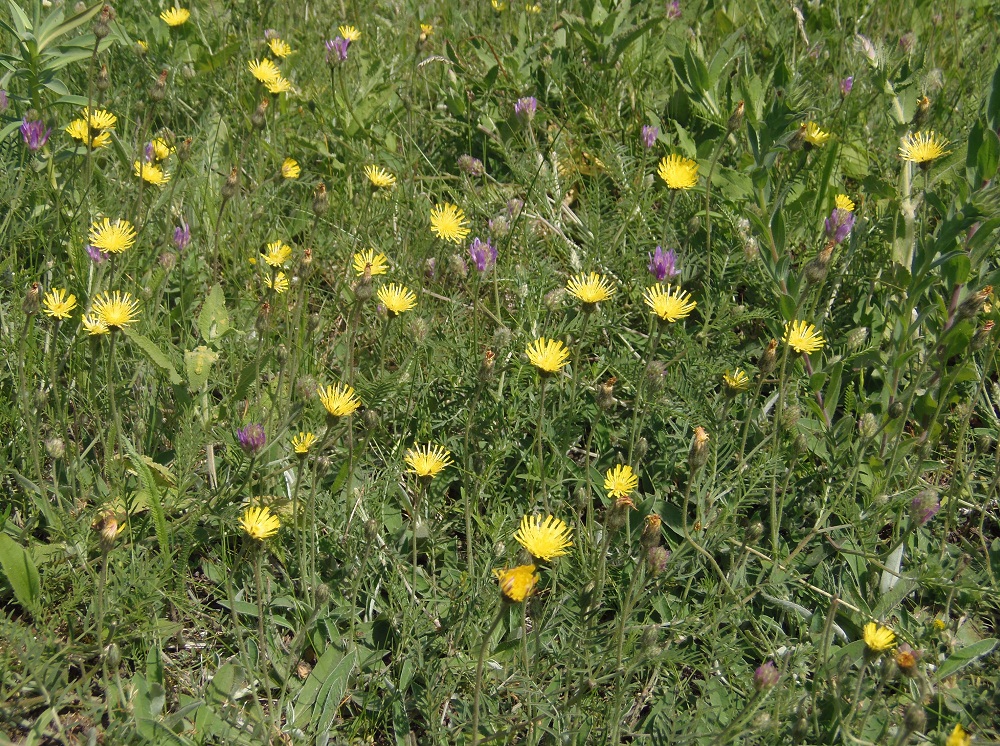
<point>55,447</point>
<point>103,81</point>
<point>651,532</point>
<point>896,410</point>
<point>232,185</point>
<point>369,420</point>
<point>259,117</point>
<point>305,387</point>
<point>471,166</point>
<point>867,425</point>
<point>972,305</point>
<point>101,23</point>
<point>363,288</point>
<point>617,515</point>
<point>656,560</point>
<point>487,367</point>
<point>322,593</point>
<point>765,677</point>
<point>650,640</point>
<point>321,201</point>
<point>698,455</point>
<point>815,271</point>
<point>736,118</point>
<point>605,398</point>
<point>158,92</point>
<point>554,298</point>
<point>31,299</point>
<point>113,655</point>
<point>656,374</point>
<point>924,506</point>
<point>922,112</point>
<point>768,358</point>
<point>981,337</point>
<point>641,449</point>
<point>457,266</point>
<point>857,337</point>
<point>915,719</point>
<point>907,659</point>
<point>184,149</point>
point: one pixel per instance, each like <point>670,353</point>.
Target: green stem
<point>538,442</point>
<point>479,673</point>
<point>653,341</point>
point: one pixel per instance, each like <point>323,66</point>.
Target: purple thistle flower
<point>673,10</point>
<point>251,438</point>
<point>149,152</point>
<point>663,264</point>
<point>765,677</point>
<point>839,225</point>
<point>526,107</point>
<point>471,165</point>
<point>846,85</point>
<point>483,253</point>
<point>182,235</point>
<point>338,47</point>
<point>649,135</point>
<point>96,255</point>
<point>34,133</point>
<point>924,507</point>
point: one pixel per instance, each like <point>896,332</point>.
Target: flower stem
<point>479,673</point>
<point>538,441</point>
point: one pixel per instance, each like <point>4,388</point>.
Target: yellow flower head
<point>368,260</point>
<point>264,70</point>
<point>350,33</point>
<point>498,5</point>
<point>878,639</point>
<point>339,400</point>
<point>426,29</point>
<point>923,148</point>
<point>427,462</point>
<point>260,523</point>
<point>150,173</point>
<point>379,177</point>
<point>302,442</point>
<point>279,284</point>
<point>678,172</point>
<point>590,289</point>
<point>175,16</point>
<point>548,355</point>
<point>736,381</point>
<point>58,304</point>
<point>620,481</point>
<point>278,85</point>
<point>396,298</point>
<point>94,326</point>
<point>532,8</point>
<point>279,48</point>
<point>843,202</point>
<point>79,130</point>
<point>113,238</point>
<point>813,135</point>
<point>115,311</point>
<point>290,168</point>
<point>803,337</point>
<point>517,583</point>
<point>99,119</point>
<point>277,253</point>
<point>546,539</point>
<point>959,737</point>
<point>161,149</point>
<point>448,222</point>
<point>669,303</point>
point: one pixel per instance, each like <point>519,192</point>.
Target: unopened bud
<point>896,410</point>
<point>736,119</point>
<point>232,185</point>
<point>101,23</point>
<point>554,298</point>
<point>981,337</point>
<point>765,677</point>
<point>698,455</point>
<point>867,425</point>
<point>305,387</point>
<point>922,112</point>
<point>259,117</point>
<point>487,367</point>
<point>641,449</point>
<point>618,514</point>
<point>419,329</point>
<point>768,358</point>
<point>915,719</point>
<point>693,225</point>
<point>107,528</point>
<point>113,655</point>
<point>656,560</point>
<point>857,337</point>
<point>605,398</point>
<point>321,201</point>
<point>55,447</point>
<point>457,266</point>
<point>369,420</point>
<point>651,531</point>
<point>798,139</point>
<point>103,81</point>
<point>322,593</point>
<point>972,305</point>
<point>31,299</point>
<point>924,506</point>
<point>816,270</point>
<point>650,640</point>
<point>656,375</point>
<point>363,288</point>
<point>159,90</point>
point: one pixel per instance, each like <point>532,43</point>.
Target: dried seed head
<point>232,185</point>
<point>31,299</point>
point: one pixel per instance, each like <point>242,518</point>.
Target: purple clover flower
<point>846,85</point>
<point>839,225</point>
<point>251,438</point>
<point>649,135</point>
<point>338,47</point>
<point>34,133</point>
<point>471,165</point>
<point>483,253</point>
<point>765,677</point>
<point>270,33</point>
<point>96,255</point>
<point>182,235</point>
<point>924,507</point>
<point>526,107</point>
<point>673,10</point>
<point>663,264</point>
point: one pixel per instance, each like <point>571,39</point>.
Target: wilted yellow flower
<point>427,462</point>
<point>277,253</point>
<point>368,260</point>
<point>115,311</point>
<point>517,583</point>
<point>290,168</point>
<point>113,238</point>
<point>532,8</point>
<point>279,284</point>
<point>878,639</point>
<point>548,355</point>
<point>278,47</point>
<point>546,539</point>
<point>448,222</point>
<point>669,303</point>
<point>498,5</point>
<point>813,135</point>
<point>620,481</point>
<point>923,148</point>
<point>264,70</point>
<point>803,337</point>
<point>302,442</point>
<point>58,304</point>
<point>678,172</point>
<point>150,173</point>
<point>350,33</point>
<point>736,381</point>
<point>339,400</point>
<point>843,202</point>
<point>175,16</point>
<point>260,523</point>
<point>79,130</point>
<point>590,289</point>
<point>379,177</point>
<point>396,298</point>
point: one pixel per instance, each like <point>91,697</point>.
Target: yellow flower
<point>813,134</point>
<point>426,29</point>
<point>260,523</point>
<point>427,462</point>
<point>115,311</point>
<point>878,639</point>
<point>536,8</point>
<point>498,5</point>
<point>922,148</point>
<point>396,298</point>
<point>379,177</point>
<point>290,168</point>
<point>669,303</point>
<point>150,173</point>
<point>279,284</point>
<point>265,71</point>
<point>94,326</point>
<point>78,130</point>
<point>517,583</point>
<point>678,172</point>
<point>620,481</point>
<point>339,400</point>
<point>590,289</point>
<point>277,253</point>
<point>143,46</point>
<point>57,304</point>
<point>548,355</point>
<point>278,85</point>
<point>368,260</point>
<point>175,16</point>
<point>161,150</point>
<point>544,540</point>
<point>940,624</point>
<point>803,337</point>
<point>959,737</point>
<point>302,442</point>
<point>278,47</point>
<point>843,202</point>
<point>448,222</point>
<point>350,33</point>
<point>113,238</point>
<point>99,119</point>
<point>736,381</point>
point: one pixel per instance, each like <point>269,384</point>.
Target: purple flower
<point>182,235</point>
<point>34,133</point>
<point>649,135</point>
<point>526,107</point>
<point>924,506</point>
<point>663,264</point>
<point>839,225</point>
<point>673,10</point>
<point>846,85</point>
<point>483,253</point>
<point>765,677</point>
<point>338,47</point>
<point>96,255</point>
<point>270,33</point>
<point>150,152</point>
<point>251,438</point>
<point>471,165</point>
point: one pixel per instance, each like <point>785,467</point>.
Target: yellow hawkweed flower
<point>959,737</point>
<point>369,261</point>
<point>290,168</point>
<point>279,284</point>
<point>161,149</point>
<point>302,442</point>
<point>923,148</point>
<point>379,177</point>
<point>669,303</point>
<point>260,523</point>
<point>448,222</point>
<point>678,172</point>
<point>843,202</point>
<point>113,238</point>
<point>426,29</point>
<point>79,130</point>
<point>277,253</point>
<point>264,70</point>
<point>532,8</point>
<point>517,583</point>
<point>175,16</point>
<point>150,173</point>
<point>427,462</point>
<point>94,326</point>
<point>339,400</point>
<point>803,337</point>
<point>278,47</point>
<point>878,639</point>
<point>813,135</point>
<point>396,298</point>
<point>620,481</point>
<point>546,539</point>
<point>57,304</point>
<point>736,381</point>
<point>278,85</point>
<point>590,289</point>
<point>350,33</point>
<point>498,5</point>
<point>99,119</point>
<point>548,355</point>
<point>115,311</point>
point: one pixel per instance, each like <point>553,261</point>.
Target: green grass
<point>136,609</point>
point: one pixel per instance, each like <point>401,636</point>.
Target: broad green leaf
<point>964,656</point>
<point>198,363</point>
<point>156,356</point>
<point>20,571</point>
<point>213,320</point>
